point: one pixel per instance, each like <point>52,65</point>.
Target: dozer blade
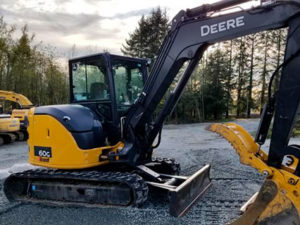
<point>184,191</point>
<point>186,194</point>
<point>278,201</point>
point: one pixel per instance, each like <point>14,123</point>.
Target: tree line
<point>30,69</point>
<point>232,77</point>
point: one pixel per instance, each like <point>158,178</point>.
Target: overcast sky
<point>92,25</point>
<point>89,24</point>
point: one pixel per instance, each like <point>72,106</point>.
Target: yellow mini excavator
<point>98,149</point>
<point>20,112</point>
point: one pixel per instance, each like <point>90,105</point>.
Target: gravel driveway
<point>189,144</point>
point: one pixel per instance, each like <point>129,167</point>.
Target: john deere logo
<point>222,26</point>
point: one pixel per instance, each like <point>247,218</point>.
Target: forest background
<point>231,79</point>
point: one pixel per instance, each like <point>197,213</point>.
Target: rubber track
<point>135,182</point>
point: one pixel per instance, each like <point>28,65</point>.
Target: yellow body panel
<point>287,197</point>
<point>47,132</point>
<point>9,125</point>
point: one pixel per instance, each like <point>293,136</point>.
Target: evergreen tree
<point>277,51</point>
<point>6,43</point>
<point>28,70</point>
<point>251,46</point>
<point>266,45</point>
<point>228,76</point>
<point>146,39</point>
<point>241,77</point>
<point>214,94</point>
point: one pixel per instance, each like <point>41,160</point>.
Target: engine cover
<point>80,121</point>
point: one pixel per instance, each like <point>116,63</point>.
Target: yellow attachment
<point>48,134</point>
<point>283,207</point>
<point>9,125</point>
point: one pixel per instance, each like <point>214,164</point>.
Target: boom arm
<point>18,98</point>
<point>192,31</point>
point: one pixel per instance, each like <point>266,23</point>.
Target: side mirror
<point>149,61</point>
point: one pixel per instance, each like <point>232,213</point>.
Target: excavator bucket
<point>270,207</point>
<point>278,201</point>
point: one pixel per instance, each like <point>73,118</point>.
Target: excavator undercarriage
<point>77,187</point>
<point>109,186</point>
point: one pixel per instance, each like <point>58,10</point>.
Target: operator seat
<point>97,90</point>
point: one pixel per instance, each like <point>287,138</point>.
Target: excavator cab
<point>108,85</point>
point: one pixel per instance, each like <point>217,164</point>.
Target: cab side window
<point>90,81</point>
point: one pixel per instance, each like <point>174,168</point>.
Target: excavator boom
<point>191,32</point>
<point>23,101</point>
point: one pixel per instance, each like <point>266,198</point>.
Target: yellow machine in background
<point>9,129</point>
<point>20,112</point>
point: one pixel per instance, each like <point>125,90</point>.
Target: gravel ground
<point>191,145</point>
